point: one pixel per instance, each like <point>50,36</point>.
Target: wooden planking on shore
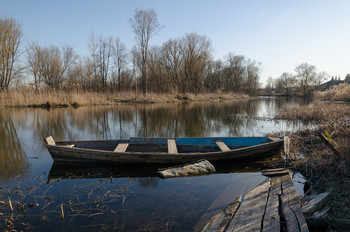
<point>220,220</point>
<point>270,206</point>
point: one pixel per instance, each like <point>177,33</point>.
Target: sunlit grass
<point>27,97</point>
<point>338,93</point>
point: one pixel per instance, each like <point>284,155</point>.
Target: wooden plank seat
<point>172,149</point>
<point>121,147</point>
<point>50,141</point>
<point>222,146</point>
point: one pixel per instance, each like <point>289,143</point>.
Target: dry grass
<point>29,98</point>
<point>320,165</point>
<point>338,93</point>
<point>322,112</point>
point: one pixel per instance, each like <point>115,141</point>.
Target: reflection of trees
<point>145,120</point>
<point>194,119</point>
<point>172,121</point>
<point>13,159</point>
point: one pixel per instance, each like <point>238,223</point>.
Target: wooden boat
<point>164,150</point>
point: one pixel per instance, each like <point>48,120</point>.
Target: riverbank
<point>325,169</point>
<point>57,99</point>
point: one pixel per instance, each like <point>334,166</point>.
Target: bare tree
<point>120,58</point>
<point>213,79</point>
<point>145,25</point>
<point>253,70</point>
<point>320,77</point>
<point>157,80</point>
<point>54,65</point>
<point>33,62</point>
<point>270,85</point>
<point>286,81</point>
<point>134,58</point>
<point>234,71</point>
<point>306,74</point>
<point>105,52</point>
<point>93,46</point>
<point>196,52</point>
<point>171,63</point>
<point>10,40</point>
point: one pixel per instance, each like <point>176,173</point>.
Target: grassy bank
<point>44,98</point>
<point>326,171</point>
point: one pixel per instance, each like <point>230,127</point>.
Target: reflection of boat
<point>64,170</point>
<point>83,171</point>
<point>163,150</point>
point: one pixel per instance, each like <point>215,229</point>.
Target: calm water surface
<point>124,198</point>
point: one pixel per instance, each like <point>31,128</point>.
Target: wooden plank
<point>274,138</point>
<point>310,206</point>
<point>121,147</point>
<point>271,220</point>
<point>222,146</point>
<point>172,149</point>
<point>286,143</point>
<point>291,209</point>
<point>249,216</point>
<point>220,221</point>
<point>329,145</point>
<point>49,140</point>
<point>275,172</point>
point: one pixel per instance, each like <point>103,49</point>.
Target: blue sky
<point>279,34</point>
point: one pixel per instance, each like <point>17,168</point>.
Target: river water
<point>50,197</point>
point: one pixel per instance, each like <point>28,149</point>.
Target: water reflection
<point>125,198</point>
<point>27,127</point>
<point>13,159</point>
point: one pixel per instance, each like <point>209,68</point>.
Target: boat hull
<point>63,153</point>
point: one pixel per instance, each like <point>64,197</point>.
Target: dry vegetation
<point>324,169</point>
<point>338,93</point>
<point>47,99</point>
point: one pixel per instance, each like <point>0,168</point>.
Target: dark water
<point>124,198</point>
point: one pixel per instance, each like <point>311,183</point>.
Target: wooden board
<point>220,221</point>
<point>274,138</point>
<point>222,146</point>
<point>271,220</point>
<point>121,147</point>
<point>172,149</point>
<point>291,209</point>
<point>250,214</point>
<point>275,172</point>
<point>263,208</point>
<point>49,140</point>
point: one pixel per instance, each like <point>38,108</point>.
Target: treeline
<point>305,80</point>
<point>181,65</point>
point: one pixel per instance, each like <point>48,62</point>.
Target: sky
<point>280,34</point>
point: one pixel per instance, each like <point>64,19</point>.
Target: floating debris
<point>198,168</point>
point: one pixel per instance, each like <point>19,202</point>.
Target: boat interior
<point>169,145</point>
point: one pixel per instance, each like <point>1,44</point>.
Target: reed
<point>318,112</point>
<point>27,97</point>
<point>325,170</point>
<point>338,93</point>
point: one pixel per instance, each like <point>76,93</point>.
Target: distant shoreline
<point>63,99</point>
